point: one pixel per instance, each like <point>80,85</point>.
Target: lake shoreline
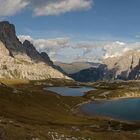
<point>77,109</point>
<point>44,112</point>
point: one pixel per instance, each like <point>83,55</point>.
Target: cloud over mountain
<point>61,49</point>
<point>43,7</point>
<point>51,46</point>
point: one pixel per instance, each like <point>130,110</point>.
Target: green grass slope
<point>27,112</point>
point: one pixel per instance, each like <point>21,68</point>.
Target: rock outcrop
<point>135,73</point>
<point>121,67</point>
<point>32,52</point>
<point>23,61</point>
<point>9,39</point>
<point>46,58</point>
<point>3,50</point>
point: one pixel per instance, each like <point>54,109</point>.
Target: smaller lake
<point>70,91</point>
<point>123,109</point>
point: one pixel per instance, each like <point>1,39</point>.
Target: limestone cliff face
<point>10,40</point>
<point>23,61</point>
<point>14,68</point>
<point>3,50</point>
<point>135,73</point>
<point>120,67</point>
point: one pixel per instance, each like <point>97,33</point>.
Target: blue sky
<point>100,21</point>
<point>107,19</point>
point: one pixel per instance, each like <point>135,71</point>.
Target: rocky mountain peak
<point>9,39</point>
<point>23,61</point>
<point>7,32</point>
<point>35,55</point>
<point>7,29</point>
<point>27,44</point>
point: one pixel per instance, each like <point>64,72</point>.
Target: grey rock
<point>46,58</point>
<point>23,61</point>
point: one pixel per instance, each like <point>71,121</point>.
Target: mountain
<point>71,68</point>
<point>124,67</point>
<point>23,61</point>
<point>46,58</point>
<point>89,75</point>
<point>121,67</point>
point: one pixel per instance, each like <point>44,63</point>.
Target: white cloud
<point>115,49</point>
<point>22,38</point>
<point>91,51</point>
<point>61,6</point>
<point>43,7</point>
<point>51,46</point>
<point>63,49</point>
<point>120,43</point>
<point>97,51</point>
<point>11,7</point>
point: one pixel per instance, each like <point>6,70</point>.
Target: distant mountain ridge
<point>71,68</point>
<point>23,61</point>
<point>125,67</point>
<point>89,75</point>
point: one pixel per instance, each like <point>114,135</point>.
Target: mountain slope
<point>23,61</point>
<point>120,67</point>
<point>89,75</point>
<point>125,67</point>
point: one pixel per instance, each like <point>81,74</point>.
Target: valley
<point>29,112</point>
<point>69,70</point>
